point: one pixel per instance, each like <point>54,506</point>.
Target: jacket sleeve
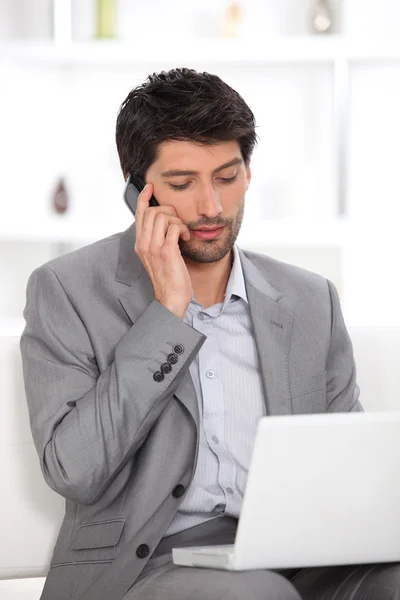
<point>85,424</point>
<point>342,390</point>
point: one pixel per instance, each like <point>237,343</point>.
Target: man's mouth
<point>208,233</point>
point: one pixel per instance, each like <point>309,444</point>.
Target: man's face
<point>206,197</point>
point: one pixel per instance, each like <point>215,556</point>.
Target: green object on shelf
<point>106,19</point>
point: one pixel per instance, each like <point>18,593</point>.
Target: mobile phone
<point>133,188</point>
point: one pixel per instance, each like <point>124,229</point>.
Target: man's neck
<point>209,280</point>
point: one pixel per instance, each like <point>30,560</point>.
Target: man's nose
<point>209,203</point>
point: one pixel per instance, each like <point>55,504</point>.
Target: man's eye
<point>224,180</point>
<point>178,187</point>
<point>228,179</point>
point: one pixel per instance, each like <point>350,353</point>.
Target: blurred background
<point>323,80</point>
<point>321,76</point>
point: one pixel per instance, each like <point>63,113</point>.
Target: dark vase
<point>60,197</point>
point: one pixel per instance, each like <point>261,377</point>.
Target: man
<point>150,356</point>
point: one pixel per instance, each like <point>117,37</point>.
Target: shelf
<point>263,234</point>
<point>53,230</point>
<point>301,234</point>
<point>234,52</point>
<point>11,327</point>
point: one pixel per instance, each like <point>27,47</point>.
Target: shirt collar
<point>236,285</point>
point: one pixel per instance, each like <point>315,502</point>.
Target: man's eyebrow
<point>175,172</point>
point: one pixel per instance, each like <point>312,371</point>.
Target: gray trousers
<point>162,580</point>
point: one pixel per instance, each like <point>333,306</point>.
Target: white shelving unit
<point>230,52</point>
<point>277,233</point>
<point>317,50</point>
<point>334,51</point>
<point>322,68</point>
<point>56,230</point>
<point>11,327</point>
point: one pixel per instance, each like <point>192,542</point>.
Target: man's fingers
<point>174,232</point>
<point>142,205</point>
<point>161,224</point>
<point>155,227</point>
<point>144,198</point>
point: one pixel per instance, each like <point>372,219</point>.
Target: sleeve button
<point>172,358</point>
<point>179,349</point>
<point>166,368</point>
<point>158,376</point>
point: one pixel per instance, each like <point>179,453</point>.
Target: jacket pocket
<point>97,534</point>
<point>309,395</point>
<point>301,387</point>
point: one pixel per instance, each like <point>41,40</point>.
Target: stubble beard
<point>209,251</point>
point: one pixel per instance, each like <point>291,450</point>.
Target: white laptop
<point>321,490</point>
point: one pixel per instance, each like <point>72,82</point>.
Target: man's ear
<point>248,174</point>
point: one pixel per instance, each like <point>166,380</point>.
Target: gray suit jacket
<point>119,444</point>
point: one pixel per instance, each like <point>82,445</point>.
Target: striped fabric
<point>227,380</point>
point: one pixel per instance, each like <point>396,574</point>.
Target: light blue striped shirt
<point>227,380</point>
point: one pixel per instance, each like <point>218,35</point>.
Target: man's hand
<point>158,229</point>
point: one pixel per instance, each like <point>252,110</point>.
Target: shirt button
<point>142,551</point>
<point>229,490</point>
<point>220,508</point>
<point>178,491</point>
<point>210,374</point>
<point>215,439</point>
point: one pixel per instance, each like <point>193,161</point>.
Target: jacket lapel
<point>272,324</point>
<point>136,299</point>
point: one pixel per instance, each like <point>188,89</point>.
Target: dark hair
<point>180,104</point>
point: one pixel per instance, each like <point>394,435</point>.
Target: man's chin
<point>205,251</point>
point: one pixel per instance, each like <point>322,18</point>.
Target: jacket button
<point>166,368</point>
<point>142,551</point>
<point>172,358</point>
<point>179,349</point>
<point>178,491</point>
<point>158,376</point>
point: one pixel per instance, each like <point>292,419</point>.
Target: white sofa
<point>31,513</point>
